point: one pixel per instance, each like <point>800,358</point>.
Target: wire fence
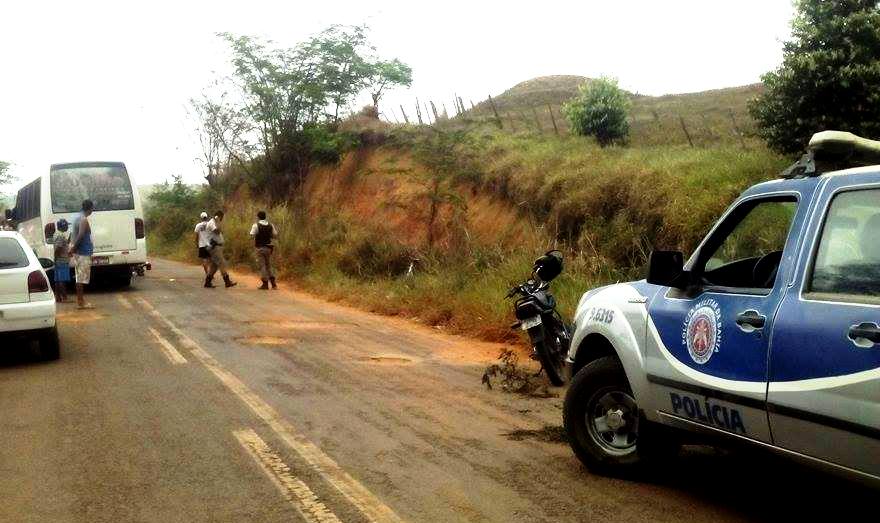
<point>696,127</point>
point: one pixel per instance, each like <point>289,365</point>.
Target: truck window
<point>847,264</point>
<point>746,250</point>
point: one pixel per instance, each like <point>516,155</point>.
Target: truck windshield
<point>11,254</point>
<point>108,187</point>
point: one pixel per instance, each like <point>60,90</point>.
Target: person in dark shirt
<point>263,233</point>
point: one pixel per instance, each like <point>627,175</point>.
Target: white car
<point>27,303</point>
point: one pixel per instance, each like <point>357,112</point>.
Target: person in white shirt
<point>215,247</point>
<point>263,233</point>
<point>203,238</point>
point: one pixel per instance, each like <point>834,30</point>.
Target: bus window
<point>108,186</point>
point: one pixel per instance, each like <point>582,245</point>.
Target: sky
<point>89,80</point>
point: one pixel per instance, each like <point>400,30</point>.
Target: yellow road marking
<point>124,301</point>
<point>168,350</point>
<point>292,488</point>
<point>369,505</point>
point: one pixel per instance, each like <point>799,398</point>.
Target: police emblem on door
<point>702,330</point>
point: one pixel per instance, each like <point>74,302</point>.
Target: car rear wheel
<point>49,346</point>
<point>604,425</point>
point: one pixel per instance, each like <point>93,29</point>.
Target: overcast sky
<point>83,80</point>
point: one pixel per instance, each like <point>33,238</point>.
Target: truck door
<point>706,347</point>
<point>824,390</point>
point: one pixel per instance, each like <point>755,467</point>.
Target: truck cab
<point>768,334</point>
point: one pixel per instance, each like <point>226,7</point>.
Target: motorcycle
<point>535,310</point>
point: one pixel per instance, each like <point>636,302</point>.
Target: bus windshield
<point>108,186</point>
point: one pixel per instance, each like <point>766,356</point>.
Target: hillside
<point>711,117</point>
<point>359,231</point>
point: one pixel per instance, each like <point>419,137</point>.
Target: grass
<point>605,208</point>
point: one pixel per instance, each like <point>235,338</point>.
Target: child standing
<point>61,240</point>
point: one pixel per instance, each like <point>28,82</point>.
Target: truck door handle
<point>750,321</point>
<point>864,331</point>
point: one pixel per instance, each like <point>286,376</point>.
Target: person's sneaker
<point>209,284</point>
<point>85,306</point>
<point>264,286</point>
<point>274,285</point>
<point>229,283</point>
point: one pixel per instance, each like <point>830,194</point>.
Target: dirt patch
<point>264,340</point>
<point>548,434</point>
<point>298,325</point>
<point>514,378</point>
<point>78,316</point>
<point>387,360</point>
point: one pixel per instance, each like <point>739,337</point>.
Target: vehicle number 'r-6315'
<point>600,315</point>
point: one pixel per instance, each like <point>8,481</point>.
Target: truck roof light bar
<point>832,151</point>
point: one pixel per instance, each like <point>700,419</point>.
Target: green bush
<point>600,109</point>
<point>829,78</point>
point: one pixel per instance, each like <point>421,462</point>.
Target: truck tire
<point>49,346</point>
<point>605,428</point>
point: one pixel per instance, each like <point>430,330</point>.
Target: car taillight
<point>37,282</point>
<point>49,230</point>
<point>138,228</point>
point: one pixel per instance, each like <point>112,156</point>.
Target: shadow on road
<point>763,486</point>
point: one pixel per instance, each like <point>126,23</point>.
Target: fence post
<point>419,112</point>
<point>495,111</point>
<point>537,120</point>
<point>472,104</point>
<point>405,119</point>
<point>553,119</point>
<point>394,115</point>
<point>685,129</point>
<point>742,142</point>
<point>427,114</point>
<point>434,109</point>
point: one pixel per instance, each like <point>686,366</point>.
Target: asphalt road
<point>176,403</point>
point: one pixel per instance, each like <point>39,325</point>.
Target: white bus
<point>117,221</point>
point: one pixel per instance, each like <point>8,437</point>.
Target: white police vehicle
<point>768,334</point>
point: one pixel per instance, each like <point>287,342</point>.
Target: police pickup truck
<point>769,334</point>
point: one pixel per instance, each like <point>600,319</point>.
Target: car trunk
<point>14,270</point>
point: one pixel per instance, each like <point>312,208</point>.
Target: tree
<point>292,99</point>
<point>829,77</point>
<point>387,73</point>
<point>600,109</point>
<point>224,131</point>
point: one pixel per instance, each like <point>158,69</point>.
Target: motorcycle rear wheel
<point>551,360</point>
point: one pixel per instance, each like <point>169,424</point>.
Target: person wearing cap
<point>203,242</point>
<point>61,241</point>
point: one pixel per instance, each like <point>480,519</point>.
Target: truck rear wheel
<point>605,428</point>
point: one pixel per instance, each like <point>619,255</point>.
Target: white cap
<point>203,215</point>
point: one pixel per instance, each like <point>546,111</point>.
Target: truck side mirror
<point>666,268</point>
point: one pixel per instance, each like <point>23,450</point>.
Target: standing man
<point>215,247</point>
<point>263,233</point>
<point>82,249</point>
<point>203,241</point>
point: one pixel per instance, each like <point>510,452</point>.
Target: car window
<point>847,261</point>
<point>12,256</point>
<point>747,249</point>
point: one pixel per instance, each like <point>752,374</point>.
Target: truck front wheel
<point>603,422</point>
